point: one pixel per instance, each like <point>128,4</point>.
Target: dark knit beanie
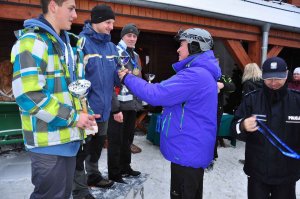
<point>129,28</point>
<point>101,13</point>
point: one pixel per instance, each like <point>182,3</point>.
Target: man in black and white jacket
<point>122,120</point>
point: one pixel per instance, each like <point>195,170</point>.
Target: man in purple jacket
<point>189,98</point>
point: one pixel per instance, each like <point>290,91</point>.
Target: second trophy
<point>124,93</point>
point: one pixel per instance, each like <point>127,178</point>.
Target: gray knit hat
<point>130,28</point>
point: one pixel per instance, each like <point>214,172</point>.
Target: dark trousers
<point>260,190</point>
<point>52,176</point>
<point>119,140</point>
<point>89,153</point>
<point>93,147</point>
<point>186,182</point>
<point>219,117</point>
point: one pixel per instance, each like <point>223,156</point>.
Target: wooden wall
<point>294,2</point>
<point>160,47</point>
<point>147,19</point>
<point>168,22</point>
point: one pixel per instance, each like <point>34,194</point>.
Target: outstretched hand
<point>122,73</point>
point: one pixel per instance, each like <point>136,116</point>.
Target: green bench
<point>10,124</point>
<point>225,128</point>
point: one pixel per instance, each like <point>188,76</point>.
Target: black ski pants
<point>186,182</point>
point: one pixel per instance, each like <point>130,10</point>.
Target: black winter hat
<point>130,28</point>
<point>101,13</point>
<point>274,67</point>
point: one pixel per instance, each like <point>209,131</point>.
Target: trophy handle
<point>84,110</point>
<point>83,105</point>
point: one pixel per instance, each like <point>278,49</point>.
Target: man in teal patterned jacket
<point>46,60</point>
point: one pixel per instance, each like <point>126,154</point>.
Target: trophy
<point>79,89</point>
<point>124,93</point>
<point>149,77</point>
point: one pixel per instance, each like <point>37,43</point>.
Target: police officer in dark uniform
<point>269,118</point>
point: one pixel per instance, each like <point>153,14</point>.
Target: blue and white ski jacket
<point>100,59</point>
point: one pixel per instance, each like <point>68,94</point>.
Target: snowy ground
<point>226,181</point>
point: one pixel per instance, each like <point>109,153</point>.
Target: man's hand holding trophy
<point>79,89</point>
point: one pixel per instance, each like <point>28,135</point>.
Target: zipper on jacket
<point>167,131</point>
<point>182,115</point>
<point>163,124</point>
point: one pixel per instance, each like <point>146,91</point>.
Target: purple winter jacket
<point>189,117</point>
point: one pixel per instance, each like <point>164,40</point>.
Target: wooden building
<point>238,39</point>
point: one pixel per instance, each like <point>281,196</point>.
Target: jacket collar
<point>184,63</point>
<point>97,37</point>
<point>275,95</point>
<point>122,44</point>
<point>205,60</point>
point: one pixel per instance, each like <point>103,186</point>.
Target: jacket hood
<point>97,37</point>
<point>32,23</point>
<point>208,61</point>
<point>65,46</point>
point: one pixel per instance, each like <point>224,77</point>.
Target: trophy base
<point>124,98</point>
<point>92,132</point>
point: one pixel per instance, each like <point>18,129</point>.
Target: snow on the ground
<point>226,181</point>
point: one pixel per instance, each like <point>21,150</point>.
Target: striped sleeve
<point>29,55</point>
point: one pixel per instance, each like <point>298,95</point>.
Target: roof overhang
<point>255,12</point>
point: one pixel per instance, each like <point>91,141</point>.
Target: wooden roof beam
<point>274,51</point>
<point>254,51</point>
<point>238,52</point>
